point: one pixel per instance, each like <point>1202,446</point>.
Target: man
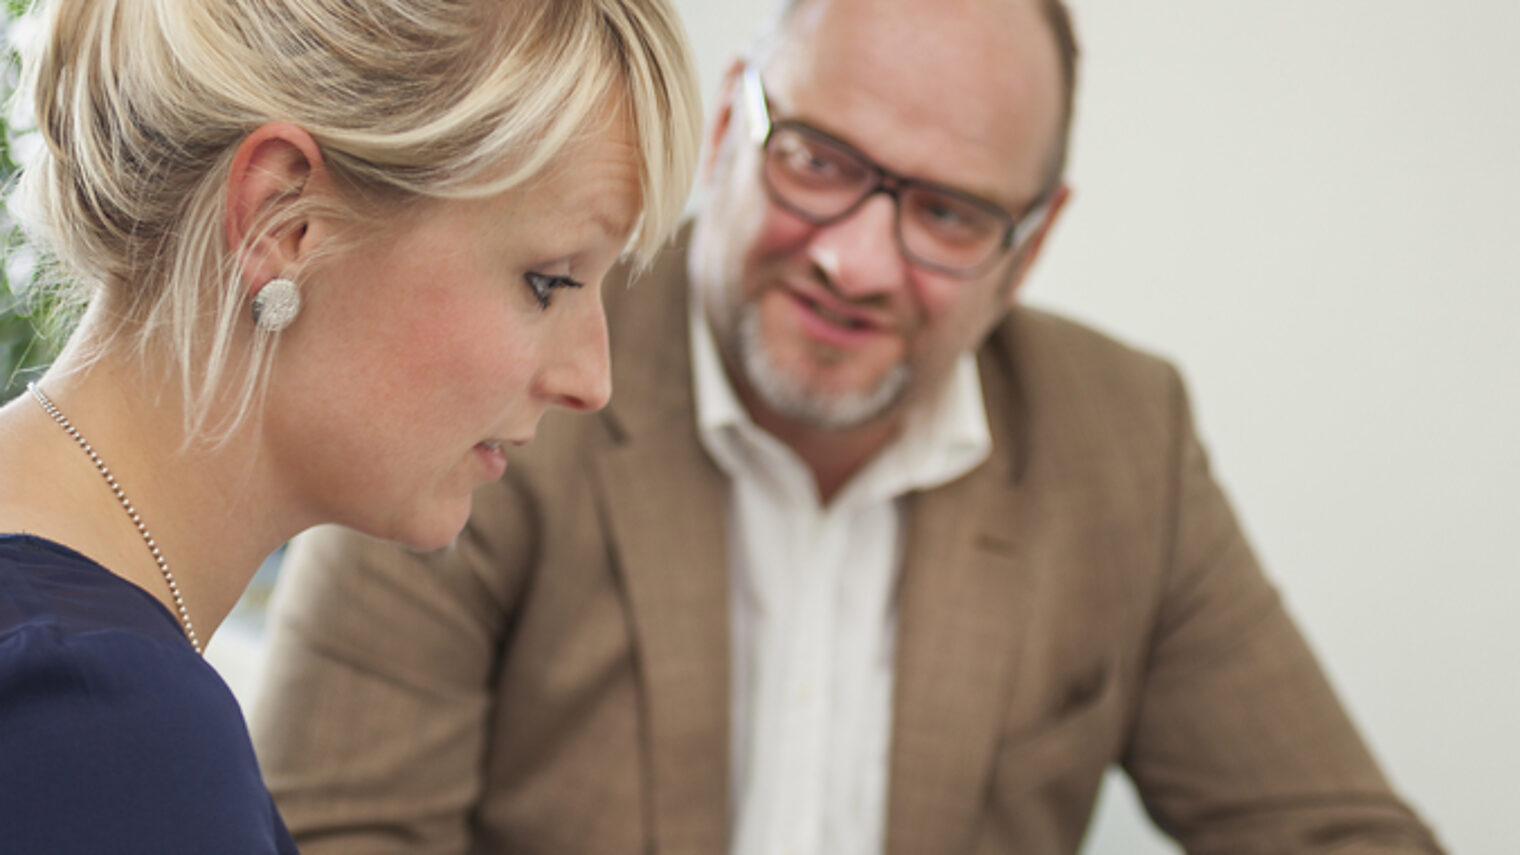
<point>863,558</point>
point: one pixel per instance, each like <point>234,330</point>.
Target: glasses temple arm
<point>755,113</point>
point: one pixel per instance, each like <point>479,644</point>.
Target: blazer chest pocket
<point>1081,739</point>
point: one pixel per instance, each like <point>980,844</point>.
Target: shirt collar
<point>718,405</point>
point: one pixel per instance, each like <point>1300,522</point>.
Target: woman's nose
<point>578,375</point>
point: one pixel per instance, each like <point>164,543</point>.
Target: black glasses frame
<point>762,129</point>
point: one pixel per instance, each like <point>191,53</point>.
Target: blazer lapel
<point>964,608</point>
<point>665,507</point>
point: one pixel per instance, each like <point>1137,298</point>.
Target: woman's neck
<point>208,509</point>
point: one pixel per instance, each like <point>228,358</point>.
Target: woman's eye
<point>543,286</point>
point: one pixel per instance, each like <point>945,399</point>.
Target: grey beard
<point>792,399</point>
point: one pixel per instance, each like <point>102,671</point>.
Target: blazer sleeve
<point>1239,743</point>
<point>371,719</point>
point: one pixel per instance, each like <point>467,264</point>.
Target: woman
<point>340,256</point>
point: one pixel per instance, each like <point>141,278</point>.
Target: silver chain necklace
<point>105,472</point>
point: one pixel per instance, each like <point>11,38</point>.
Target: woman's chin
<point>431,542</point>
<point>427,529</point>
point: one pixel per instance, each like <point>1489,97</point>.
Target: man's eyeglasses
<point>824,180</point>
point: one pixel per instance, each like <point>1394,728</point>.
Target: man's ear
<point>275,166</point>
<point>722,117</point>
<point>1030,250</point>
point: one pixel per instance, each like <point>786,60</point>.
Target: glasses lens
<point>948,231</point>
<point>813,176</point>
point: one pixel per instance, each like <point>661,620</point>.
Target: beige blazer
<point>558,680</point>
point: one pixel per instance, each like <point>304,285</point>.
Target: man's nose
<point>578,374</point>
<point>859,254</point>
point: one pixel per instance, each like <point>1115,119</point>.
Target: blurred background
<point>1312,208</point>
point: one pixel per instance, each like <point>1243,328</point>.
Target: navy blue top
<point>115,736</point>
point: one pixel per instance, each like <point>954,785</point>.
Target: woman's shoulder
<point>47,587</point>
<point>75,639</point>
<point>78,645</point>
<point>108,731</point>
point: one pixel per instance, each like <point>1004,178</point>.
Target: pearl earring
<point>276,305</point>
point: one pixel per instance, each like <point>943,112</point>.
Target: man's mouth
<point>849,321</point>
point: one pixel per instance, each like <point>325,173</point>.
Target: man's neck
<point>833,456</point>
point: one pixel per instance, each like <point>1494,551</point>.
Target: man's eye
<point>543,286</point>
<point>948,219</point>
<point>813,164</point>
<point>944,214</point>
<point>806,161</point>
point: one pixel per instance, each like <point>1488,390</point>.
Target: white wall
<point>1310,205</point>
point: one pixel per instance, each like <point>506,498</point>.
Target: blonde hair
<point>142,104</point>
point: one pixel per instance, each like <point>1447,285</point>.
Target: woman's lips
<point>492,456</point>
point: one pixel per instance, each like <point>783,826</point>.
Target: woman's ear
<point>275,166</point>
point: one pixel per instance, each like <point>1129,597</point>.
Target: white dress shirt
<point>814,615</point>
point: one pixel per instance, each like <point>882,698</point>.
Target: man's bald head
<point>1054,14</point>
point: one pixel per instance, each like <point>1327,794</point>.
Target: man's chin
<point>797,395</point>
<point>825,408</point>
